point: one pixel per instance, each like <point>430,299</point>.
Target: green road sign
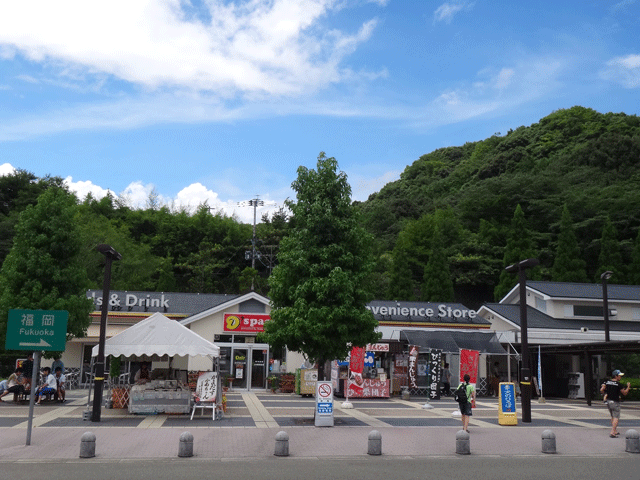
<point>37,330</point>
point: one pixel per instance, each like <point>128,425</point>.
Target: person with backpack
<point>465,394</point>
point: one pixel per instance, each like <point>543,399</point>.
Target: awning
<point>452,342</point>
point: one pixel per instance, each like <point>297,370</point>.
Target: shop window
<point>541,305</point>
<point>588,311</point>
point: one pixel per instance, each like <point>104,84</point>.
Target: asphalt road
<point>289,468</point>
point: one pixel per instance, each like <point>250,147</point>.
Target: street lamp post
<point>111,255</point>
<point>605,307</point>
<point>525,382</point>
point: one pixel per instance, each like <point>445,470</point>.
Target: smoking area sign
<point>507,404</point>
<point>37,330</point>
<point>324,404</point>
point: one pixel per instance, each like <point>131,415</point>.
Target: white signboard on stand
<point>324,404</point>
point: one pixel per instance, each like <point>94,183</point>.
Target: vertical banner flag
<point>356,366</point>
<point>413,366</point>
<point>435,372</point>
<point>469,364</point>
<point>540,371</point>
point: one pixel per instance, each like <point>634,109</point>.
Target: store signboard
<point>245,322</point>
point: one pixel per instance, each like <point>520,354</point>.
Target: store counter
<point>160,396</point>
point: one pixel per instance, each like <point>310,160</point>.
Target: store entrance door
<point>240,373</point>
<point>249,366</point>
<point>258,366</point>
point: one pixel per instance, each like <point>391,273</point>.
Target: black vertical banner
<point>435,373</point>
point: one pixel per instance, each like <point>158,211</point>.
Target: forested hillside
<point>576,160</point>
<point>564,190</point>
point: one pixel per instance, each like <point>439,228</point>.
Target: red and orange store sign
<point>245,322</point>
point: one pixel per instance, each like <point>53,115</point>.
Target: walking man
<point>612,389</point>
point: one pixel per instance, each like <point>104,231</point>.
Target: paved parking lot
<point>253,419</point>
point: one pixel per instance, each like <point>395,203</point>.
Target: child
<point>60,380</point>
<point>49,387</point>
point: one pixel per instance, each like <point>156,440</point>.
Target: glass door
<point>258,367</point>
<point>240,371</point>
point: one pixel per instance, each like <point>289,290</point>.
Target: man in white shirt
<point>49,387</point>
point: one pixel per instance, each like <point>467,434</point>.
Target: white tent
<point>158,335</point>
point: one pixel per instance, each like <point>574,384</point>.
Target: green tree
<point>43,270</point>
<point>319,288</point>
<point>519,247</point>
<point>634,272</point>
<point>437,285</point>
<point>401,285</point>
<point>568,265</point>
<point>610,258</point>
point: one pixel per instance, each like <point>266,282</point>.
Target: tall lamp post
<point>605,306</point>
<point>521,269</point>
<point>111,255</point>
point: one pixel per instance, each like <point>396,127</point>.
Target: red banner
<point>356,365</point>
<point>245,322</point>
<point>370,389</point>
<point>469,364</point>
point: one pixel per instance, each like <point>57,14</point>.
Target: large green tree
<point>519,247</point>
<point>320,286</point>
<point>437,285</point>
<point>568,265</point>
<point>610,258</point>
<point>43,270</point>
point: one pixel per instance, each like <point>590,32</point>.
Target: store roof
<point>585,291</point>
<point>538,319</point>
<point>453,341</point>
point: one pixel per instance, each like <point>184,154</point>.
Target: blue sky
<point>222,101</point>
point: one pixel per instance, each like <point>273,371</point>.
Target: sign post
<point>507,404</point>
<point>324,404</point>
<point>36,330</point>
<point>41,330</point>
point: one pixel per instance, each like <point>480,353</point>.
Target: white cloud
<point>277,48</point>
<point>623,70</point>
<point>362,186</point>
<point>446,11</point>
<point>6,169</point>
<point>82,189</point>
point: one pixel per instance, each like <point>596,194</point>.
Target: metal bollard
<point>375,443</point>
<point>405,393</point>
<point>548,442</point>
<point>88,445</point>
<point>463,445</point>
<point>185,446</point>
<point>633,441</point>
<point>282,444</point>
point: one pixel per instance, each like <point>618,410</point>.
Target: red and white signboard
<point>377,347</point>
<point>245,322</point>
<point>469,364</point>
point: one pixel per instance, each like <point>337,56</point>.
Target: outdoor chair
<point>205,395</point>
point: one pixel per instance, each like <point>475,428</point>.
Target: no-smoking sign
<point>324,390</point>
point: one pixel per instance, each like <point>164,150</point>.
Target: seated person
<point>142,376</point>
<point>15,384</point>
<point>4,386</point>
<point>60,380</point>
<point>49,387</point>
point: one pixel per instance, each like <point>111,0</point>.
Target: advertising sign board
<point>507,404</point>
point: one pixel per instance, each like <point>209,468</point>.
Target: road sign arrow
<point>41,343</point>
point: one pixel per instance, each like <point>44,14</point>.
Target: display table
<point>160,396</point>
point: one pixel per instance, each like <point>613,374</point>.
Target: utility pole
<point>253,203</point>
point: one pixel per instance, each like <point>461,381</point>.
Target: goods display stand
<point>576,385</point>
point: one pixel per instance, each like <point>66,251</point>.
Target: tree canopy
<point>44,268</point>
<point>320,286</point>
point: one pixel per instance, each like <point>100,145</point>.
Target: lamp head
<point>606,275</point>
<point>108,251</point>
